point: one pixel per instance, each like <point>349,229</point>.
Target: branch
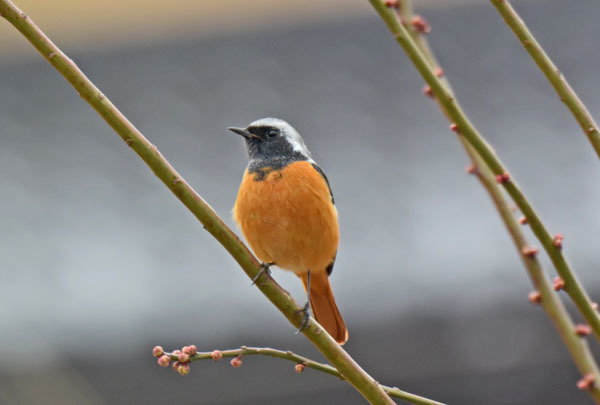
<point>188,354</point>
<point>149,153</point>
<point>544,293</point>
<point>462,125</point>
<point>549,69</point>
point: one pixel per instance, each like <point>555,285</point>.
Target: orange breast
<point>288,218</point>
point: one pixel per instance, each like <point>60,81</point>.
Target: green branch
<point>550,302</point>
<point>548,298</point>
<point>149,153</point>
<point>466,129</point>
<point>549,69</point>
<point>188,355</point>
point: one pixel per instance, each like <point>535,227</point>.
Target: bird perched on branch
<point>286,211</point>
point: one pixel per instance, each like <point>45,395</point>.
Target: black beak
<point>241,131</point>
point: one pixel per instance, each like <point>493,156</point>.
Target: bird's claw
<point>305,317</point>
<point>264,267</point>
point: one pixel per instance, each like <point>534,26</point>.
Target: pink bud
<point>581,329</point>
<point>559,284</point>
<point>587,382</point>
<point>183,369</point>
<point>236,362</point>
<point>420,24</point>
<point>502,178</point>
<point>183,358</point>
<point>157,351</point>
<point>164,360</point>
<point>427,91</point>
<point>535,297</point>
<point>216,355</point>
<point>190,350</point>
<point>558,240</point>
<point>529,251</point>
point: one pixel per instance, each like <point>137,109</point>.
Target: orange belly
<point>288,218</point>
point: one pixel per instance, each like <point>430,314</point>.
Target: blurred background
<point>99,262</point>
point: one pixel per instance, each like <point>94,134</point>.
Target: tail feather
<point>323,305</point>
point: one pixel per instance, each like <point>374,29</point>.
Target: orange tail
<point>323,306</point>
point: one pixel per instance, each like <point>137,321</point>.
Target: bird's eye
<point>273,133</point>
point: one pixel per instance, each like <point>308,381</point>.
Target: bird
<point>286,211</point>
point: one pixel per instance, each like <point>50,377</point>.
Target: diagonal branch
<point>548,298</point>
<point>466,129</point>
<point>189,355</point>
<point>549,69</point>
<point>345,364</point>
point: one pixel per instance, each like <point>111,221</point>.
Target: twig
<point>544,293</point>
<point>549,299</point>
<point>552,73</point>
<point>466,129</point>
<point>300,361</point>
<point>353,373</point>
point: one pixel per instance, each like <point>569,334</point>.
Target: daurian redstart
<point>286,211</point>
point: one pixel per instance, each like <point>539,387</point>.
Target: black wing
<point>317,168</point>
<point>330,267</point>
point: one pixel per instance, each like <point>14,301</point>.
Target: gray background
<point>99,262</point>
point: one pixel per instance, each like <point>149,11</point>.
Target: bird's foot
<point>264,268</point>
<point>305,317</point>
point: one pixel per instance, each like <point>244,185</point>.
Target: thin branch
<point>466,129</point>
<point>353,373</point>
<point>549,69</point>
<point>578,347</point>
<point>300,361</point>
<point>550,302</point>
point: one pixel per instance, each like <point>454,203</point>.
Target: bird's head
<point>272,138</point>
